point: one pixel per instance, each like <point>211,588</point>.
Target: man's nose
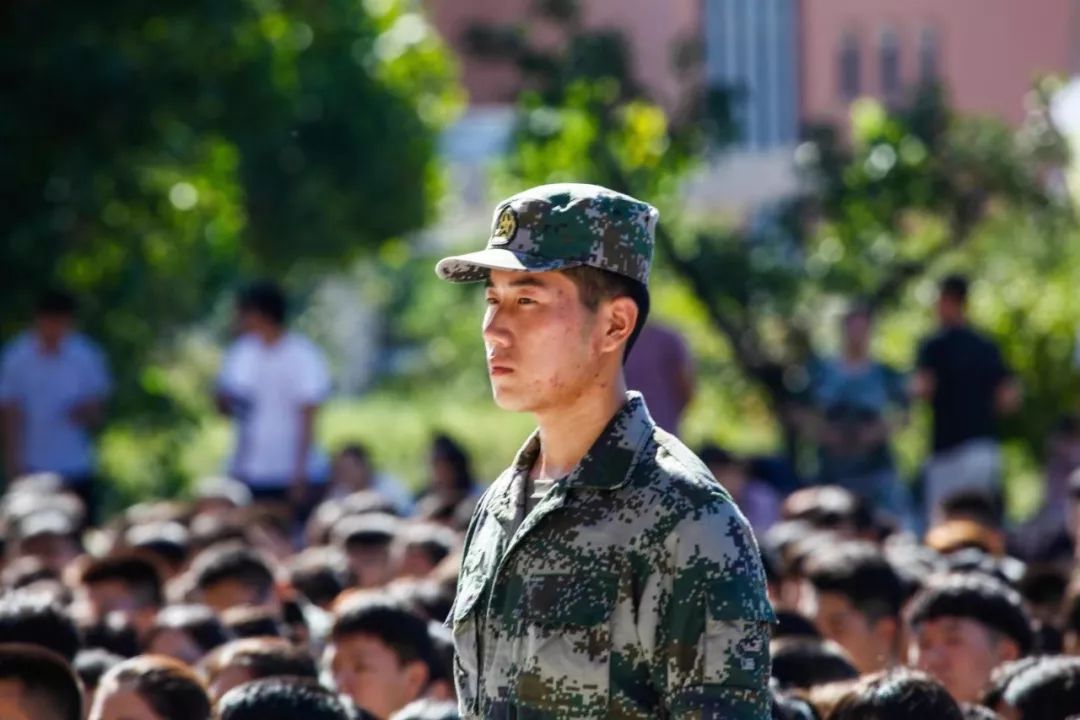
<point>495,330</point>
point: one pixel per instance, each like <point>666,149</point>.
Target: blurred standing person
<point>352,470</point>
<point>961,373</point>
<point>53,386</point>
<point>857,404</point>
<point>662,370</point>
<point>272,383</point>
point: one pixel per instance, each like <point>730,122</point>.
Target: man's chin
<point>510,401</point>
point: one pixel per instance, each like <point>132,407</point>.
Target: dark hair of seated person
<point>47,681</point>
<point>1049,688</point>
<point>804,662</point>
<point>899,694</point>
<point>283,698</point>
<point>38,619</point>
<point>171,689</point>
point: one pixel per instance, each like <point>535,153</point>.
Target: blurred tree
<point>154,154</point>
<point>913,191</point>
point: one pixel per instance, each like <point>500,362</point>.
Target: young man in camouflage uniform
<point>606,573</point>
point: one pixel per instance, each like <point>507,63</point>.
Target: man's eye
<point>491,301</point>
<point>526,301</point>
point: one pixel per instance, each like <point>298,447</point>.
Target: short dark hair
<point>169,542</point>
<point>596,285</point>
<point>435,541</point>
<point>955,287</point>
<point>233,562</point>
<point>168,686</point>
<point>283,699</point>
<point>426,595</point>
<point>92,664</point>
<point>357,451</point>
<point>1048,688</point>
<point>371,530</point>
<point>262,658</point>
<point>976,597</point>
<point>898,694</point>
<point>38,619</point>
<point>253,622</point>
<point>265,298</point>
<point>803,662</point>
<point>828,507</point>
<point>984,507</point>
<point>1001,676</point>
<point>859,572</point>
<point>198,622</point>
<point>55,303</point>
<point>46,676</point>
<point>390,622</point>
<point>137,574</point>
<point>320,574</point>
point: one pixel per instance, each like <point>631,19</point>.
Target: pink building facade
<point>986,52</point>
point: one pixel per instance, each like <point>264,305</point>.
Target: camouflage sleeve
<point>709,620</point>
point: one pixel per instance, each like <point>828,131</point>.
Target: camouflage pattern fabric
<point>552,227</point>
<point>634,589</point>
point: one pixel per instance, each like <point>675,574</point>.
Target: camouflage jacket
<point>634,589</point>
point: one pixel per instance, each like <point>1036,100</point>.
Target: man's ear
<point>1006,650</point>
<point>621,315</point>
<point>416,678</point>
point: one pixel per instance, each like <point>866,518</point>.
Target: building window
<point>929,56</point>
<point>850,69</point>
<point>890,64</point>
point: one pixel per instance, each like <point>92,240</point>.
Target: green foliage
<point>155,153</point>
<point>915,191</point>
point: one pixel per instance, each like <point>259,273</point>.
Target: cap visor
<point>474,267</point>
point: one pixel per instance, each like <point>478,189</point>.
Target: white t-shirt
<point>271,384</point>
<point>45,387</point>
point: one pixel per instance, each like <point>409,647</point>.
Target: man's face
<point>351,472</point>
<point>960,653</point>
<point>541,342</point>
<point>174,643</point>
<point>121,703</point>
<point>113,596</point>
<point>52,329</point>
<point>371,566</point>
<point>869,644</point>
<point>857,332</point>
<point>371,674</point>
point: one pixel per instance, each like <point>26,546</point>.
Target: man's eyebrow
<point>525,281</point>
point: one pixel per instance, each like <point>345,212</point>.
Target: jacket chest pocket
<point>566,647</point>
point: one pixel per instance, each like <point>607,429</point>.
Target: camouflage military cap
<point>554,227</point>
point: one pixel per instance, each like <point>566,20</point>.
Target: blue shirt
<point>45,387</point>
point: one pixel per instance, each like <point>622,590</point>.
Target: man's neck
<point>271,335</point>
<point>567,433</point>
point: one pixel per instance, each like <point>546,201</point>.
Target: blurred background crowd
<point>244,425</point>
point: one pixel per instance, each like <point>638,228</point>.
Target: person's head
<point>566,269</point>
<point>451,471</point>
<point>352,467</point>
<point>91,665</point>
<point>242,661</point>
<point>150,687</point>
<point>320,574</point>
<point>1048,688</point>
<point>216,495</point>
<point>128,585</point>
<point>829,507</point>
<point>897,695</point>
<point>952,300</point>
<point>186,632</point>
<point>253,622</point>
<point>728,470</point>
<point>168,543</point>
<point>857,326</point>
<point>261,308</point>
<point>37,619</point>
<point>380,653</point>
<point>854,598</point>
<point>37,684</point>
<point>283,699</point>
<point>366,541</point>
<point>54,316</point>
<point>421,547</point>
<point>803,662</point>
<point>964,625</point>
<point>230,575</point>
<point>49,535</point>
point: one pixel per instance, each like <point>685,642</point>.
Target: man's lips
<point>499,369</point>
